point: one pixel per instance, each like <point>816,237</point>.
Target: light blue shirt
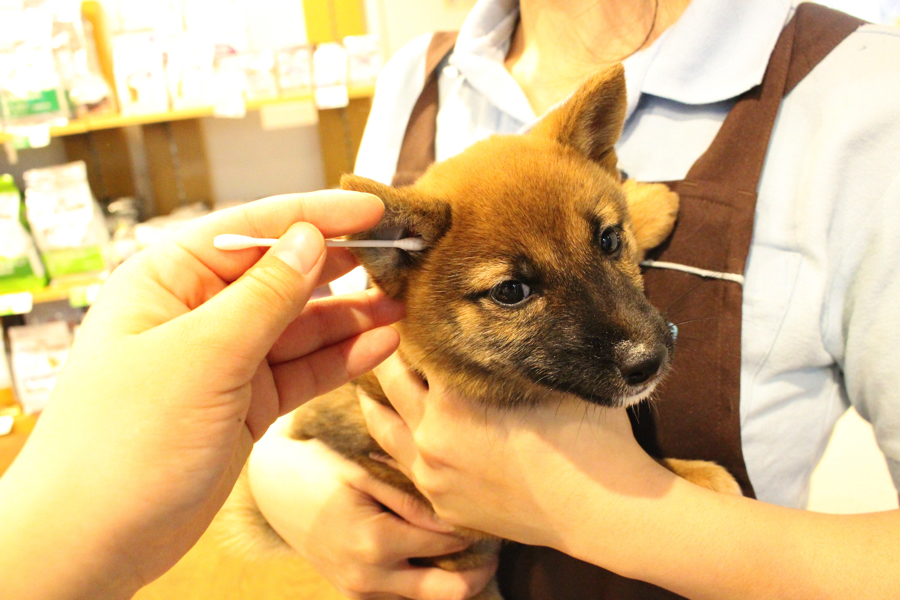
<point>821,309</point>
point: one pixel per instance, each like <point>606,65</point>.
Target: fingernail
<point>301,247</point>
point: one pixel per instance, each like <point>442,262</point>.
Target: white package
<point>189,71</point>
<point>330,65</point>
<point>38,354</point>
<point>138,66</point>
<point>66,222</point>
<point>365,58</point>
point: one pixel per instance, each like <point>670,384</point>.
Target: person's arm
<point>571,476</point>
<point>187,356</point>
<point>355,530</point>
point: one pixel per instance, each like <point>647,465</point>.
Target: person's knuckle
<point>273,281</point>
<point>355,581</point>
<point>369,550</point>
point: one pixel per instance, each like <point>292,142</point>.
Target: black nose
<point>639,367</point>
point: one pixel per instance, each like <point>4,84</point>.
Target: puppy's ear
<point>407,213</point>
<point>591,120</point>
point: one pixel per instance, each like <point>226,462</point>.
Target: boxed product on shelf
<point>189,71</point>
<point>31,91</point>
<point>66,222</point>
<point>21,269</point>
<point>37,355</point>
<point>77,64</point>
<point>294,68</point>
<point>258,69</point>
<point>365,60</point>
<point>139,70</point>
<point>330,63</point>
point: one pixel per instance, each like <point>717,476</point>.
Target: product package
<point>189,71</point>
<point>66,222</point>
<point>76,62</point>
<point>122,221</point>
<point>294,68</point>
<point>138,65</point>
<point>365,60</point>
<point>257,69</point>
<point>330,63</point>
<point>21,269</point>
<point>31,92</point>
<point>37,355</point>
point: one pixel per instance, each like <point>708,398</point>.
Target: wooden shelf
<point>115,121</point>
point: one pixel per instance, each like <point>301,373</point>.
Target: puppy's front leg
<point>705,474</point>
<point>653,208</point>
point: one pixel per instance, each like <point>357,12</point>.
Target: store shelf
<point>11,443</point>
<point>80,291</point>
<point>114,121</point>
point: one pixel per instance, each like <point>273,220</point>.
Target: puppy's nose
<point>640,365</point>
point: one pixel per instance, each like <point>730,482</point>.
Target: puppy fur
<point>529,289</point>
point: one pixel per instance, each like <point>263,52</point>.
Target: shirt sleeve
<point>869,286</point>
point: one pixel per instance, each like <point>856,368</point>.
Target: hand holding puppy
<point>510,472</point>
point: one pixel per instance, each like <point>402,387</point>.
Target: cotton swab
<point>232,241</point>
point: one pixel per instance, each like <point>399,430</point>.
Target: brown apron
<point>697,414</point>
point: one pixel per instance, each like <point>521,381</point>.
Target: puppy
<point>529,288</point>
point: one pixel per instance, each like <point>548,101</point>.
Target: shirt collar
<point>717,50</point>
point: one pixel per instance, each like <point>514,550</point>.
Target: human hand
<point>333,512</point>
<point>536,475</point>
<point>187,356</point>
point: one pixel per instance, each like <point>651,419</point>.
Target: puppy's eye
<point>610,241</point>
<point>510,292</point>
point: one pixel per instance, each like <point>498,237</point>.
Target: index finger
<point>333,212</point>
<point>404,388</point>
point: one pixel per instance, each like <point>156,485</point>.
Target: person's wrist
<point>609,518</point>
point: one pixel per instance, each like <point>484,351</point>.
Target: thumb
<point>249,315</point>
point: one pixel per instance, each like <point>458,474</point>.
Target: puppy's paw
<point>705,474</point>
<point>653,208</point>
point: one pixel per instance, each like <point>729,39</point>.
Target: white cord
<point>658,264</point>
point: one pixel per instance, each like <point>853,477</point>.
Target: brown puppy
<point>529,288</point>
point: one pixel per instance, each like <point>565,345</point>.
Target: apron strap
<point>738,153</point>
<point>417,151</point>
